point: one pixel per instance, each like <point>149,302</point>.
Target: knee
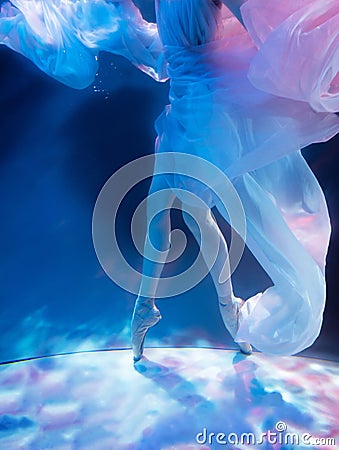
<point>159,230</point>
<point>160,221</point>
<point>199,217</point>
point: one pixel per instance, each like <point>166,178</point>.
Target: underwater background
<point>58,146</point>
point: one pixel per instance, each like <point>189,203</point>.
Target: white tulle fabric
<point>247,101</point>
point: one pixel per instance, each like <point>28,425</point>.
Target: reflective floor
<point>175,398</point>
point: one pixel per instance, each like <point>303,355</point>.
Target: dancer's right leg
<point>145,313</point>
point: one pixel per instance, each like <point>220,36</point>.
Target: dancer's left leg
<point>229,305</point>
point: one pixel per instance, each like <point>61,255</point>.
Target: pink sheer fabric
<point>298,55</point>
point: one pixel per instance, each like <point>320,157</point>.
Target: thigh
<point>159,202</point>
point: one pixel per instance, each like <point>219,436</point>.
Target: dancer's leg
<point>159,229</point>
<point>145,313</point>
<point>229,305</point>
<point>211,230</point>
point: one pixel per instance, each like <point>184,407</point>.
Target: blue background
<point>58,147</point>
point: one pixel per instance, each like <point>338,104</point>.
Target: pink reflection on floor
<point>101,401</point>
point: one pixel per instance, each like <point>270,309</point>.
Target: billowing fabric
<point>64,37</point>
<point>222,109</point>
<point>299,40</point>
<point>247,101</point>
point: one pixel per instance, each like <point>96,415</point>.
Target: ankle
<point>224,299</point>
<point>145,301</point>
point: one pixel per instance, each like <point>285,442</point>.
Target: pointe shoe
<point>230,314</point>
<point>144,317</point>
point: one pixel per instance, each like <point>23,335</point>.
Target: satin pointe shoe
<point>144,317</point>
<point>230,315</point>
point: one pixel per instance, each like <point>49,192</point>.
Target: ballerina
<point>246,94</point>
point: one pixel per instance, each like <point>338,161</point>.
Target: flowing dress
<point>246,100</point>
